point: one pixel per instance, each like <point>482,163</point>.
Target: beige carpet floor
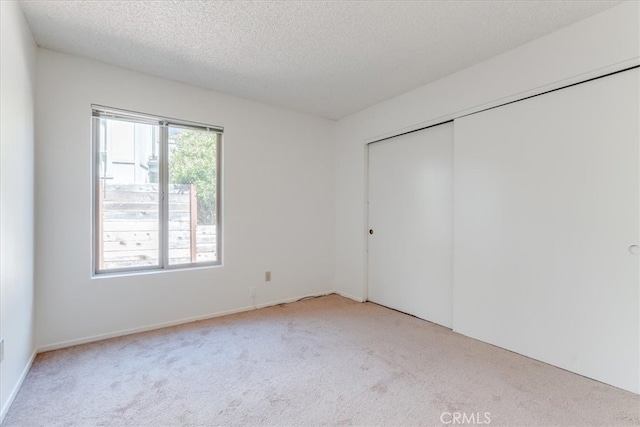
<point>325,361</point>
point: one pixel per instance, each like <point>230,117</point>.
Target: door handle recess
<point>634,249</point>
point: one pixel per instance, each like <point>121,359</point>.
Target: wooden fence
<point>130,235</point>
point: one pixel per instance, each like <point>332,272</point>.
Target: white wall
<point>605,42</point>
<point>278,205</point>
<point>17,90</point>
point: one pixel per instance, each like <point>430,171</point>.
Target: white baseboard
<point>346,295</point>
<point>85,340</point>
<point>16,388</point>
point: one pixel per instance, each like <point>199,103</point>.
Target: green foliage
<point>193,161</point>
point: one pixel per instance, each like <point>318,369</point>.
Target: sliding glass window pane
<point>192,230</point>
<point>128,195</point>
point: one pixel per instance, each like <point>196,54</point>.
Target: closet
<point>544,225</point>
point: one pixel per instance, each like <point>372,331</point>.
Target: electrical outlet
<point>267,276</point>
<point>1,350</point>
<point>252,291</point>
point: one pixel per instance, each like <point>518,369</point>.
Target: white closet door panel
<point>411,213</point>
<point>546,209</point>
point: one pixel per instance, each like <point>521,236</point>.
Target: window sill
<point>118,274</point>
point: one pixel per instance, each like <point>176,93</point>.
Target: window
<point>156,192</point>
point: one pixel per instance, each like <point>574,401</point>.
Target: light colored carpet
<point>326,361</point>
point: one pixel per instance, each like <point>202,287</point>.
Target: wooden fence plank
<point>129,230</point>
<point>136,236</point>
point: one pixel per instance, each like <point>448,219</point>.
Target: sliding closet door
<point>410,215</point>
<point>546,219</point>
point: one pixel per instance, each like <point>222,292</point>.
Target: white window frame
<point>163,123</point>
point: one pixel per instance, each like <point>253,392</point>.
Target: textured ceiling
<point>325,58</point>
